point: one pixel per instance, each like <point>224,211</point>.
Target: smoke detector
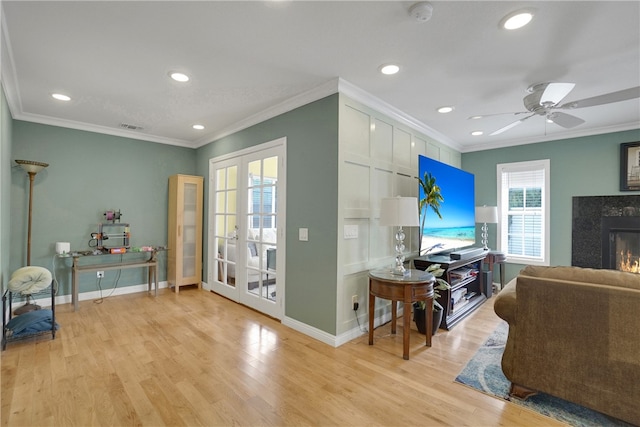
<point>421,11</point>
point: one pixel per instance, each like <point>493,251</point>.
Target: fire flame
<point>628,262</point>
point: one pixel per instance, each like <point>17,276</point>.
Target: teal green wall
<point>587,166</point>
<point>88,174</point>
<point>5,189</point>
<point>312,200</point>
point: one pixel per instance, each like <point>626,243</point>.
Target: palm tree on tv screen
<point>432,198</point>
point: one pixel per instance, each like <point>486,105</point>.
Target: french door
<point>246,227</point>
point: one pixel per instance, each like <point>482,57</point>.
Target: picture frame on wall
<point>630,166</point>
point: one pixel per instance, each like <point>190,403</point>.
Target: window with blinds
<point>523,207</point>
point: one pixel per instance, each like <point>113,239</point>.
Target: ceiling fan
<point>544,100</point>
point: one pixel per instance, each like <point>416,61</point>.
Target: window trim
<point>545,165</point>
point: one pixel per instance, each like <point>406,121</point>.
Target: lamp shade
<point>487,214</point>
<point>399,211</point>
<point>31,166</point>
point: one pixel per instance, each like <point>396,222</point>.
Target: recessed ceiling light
<point>61,97</point>
<point>475,117</point>
<point>477,133</point>
<point>445,110</point>
<point>516,20</point>
<point>389,69</point>
<point>198,127</point>
<point>179,77</point>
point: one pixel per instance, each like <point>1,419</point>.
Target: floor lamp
<point>32,168</point>
<point>400,212</point>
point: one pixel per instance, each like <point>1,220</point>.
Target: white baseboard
<point>83,296</point>
<point>316,333</point>
<point>333,340</point>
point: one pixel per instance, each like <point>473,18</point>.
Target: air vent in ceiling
<point>130,127</point>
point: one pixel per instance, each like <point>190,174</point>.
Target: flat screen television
<point>457,228</point>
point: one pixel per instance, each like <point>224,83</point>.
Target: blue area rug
<point>484,373</point>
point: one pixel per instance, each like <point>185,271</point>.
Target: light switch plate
<point>303,234</point>
<point>350,231</point>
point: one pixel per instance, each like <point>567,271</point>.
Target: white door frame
<point>239,292</point>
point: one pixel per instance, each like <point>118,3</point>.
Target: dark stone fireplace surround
<point>589,215</point>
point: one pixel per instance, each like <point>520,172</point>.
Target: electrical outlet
<point>354,302</point>
<point>100,274</point>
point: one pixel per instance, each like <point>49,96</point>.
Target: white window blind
<point>523,211</point>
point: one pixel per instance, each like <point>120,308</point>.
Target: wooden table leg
<point>405,332</point>
<point>74,284</point>
<point>429,321</point>
<point>394,315</point>
<point>372,309</point>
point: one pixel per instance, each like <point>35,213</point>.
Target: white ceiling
<point>244,58</point>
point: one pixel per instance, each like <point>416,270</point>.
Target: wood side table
<point>417,286</point>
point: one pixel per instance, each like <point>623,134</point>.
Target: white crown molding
<point>45,120</point>
<point>553,137</point>
<point>297,101</point>
<point>329,88</point>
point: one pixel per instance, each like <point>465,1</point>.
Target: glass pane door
<point>225,229</point>
<point>262,221</point>
<point>246,226</point>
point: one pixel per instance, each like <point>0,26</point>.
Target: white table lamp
<point>486,215</point>
<point>400,212</point>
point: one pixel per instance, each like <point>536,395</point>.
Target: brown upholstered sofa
<point>574,333</point>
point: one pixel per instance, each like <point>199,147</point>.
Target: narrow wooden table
<point>150,263</point>
<point>417,286</point>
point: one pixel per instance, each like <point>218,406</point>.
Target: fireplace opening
<point>621,244</point>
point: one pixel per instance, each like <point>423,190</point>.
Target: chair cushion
<point>29,280</point>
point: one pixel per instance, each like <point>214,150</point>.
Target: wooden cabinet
<point>184,255</point>
<point>467,288</point>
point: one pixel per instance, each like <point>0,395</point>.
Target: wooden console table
<point>418,286</point>
<point>150,263</point>
<point>476,294</point>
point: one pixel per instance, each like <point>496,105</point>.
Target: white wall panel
<point>356,251</point>
<point>382,141</point>
<point>382,187</point>
<point>382,241</point>
<point>433,151</point>
<point>407,186</point>
<point>418,148</point>
<point>355,131</point>
<point>401,148</point>
<point>355,186</point>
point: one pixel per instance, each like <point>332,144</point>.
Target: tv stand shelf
<point>473,283</point>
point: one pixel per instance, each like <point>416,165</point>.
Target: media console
<point>467,291</point>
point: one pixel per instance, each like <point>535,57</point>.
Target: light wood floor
<point>199,359</point>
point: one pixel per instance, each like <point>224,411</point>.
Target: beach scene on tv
<point>451,194</point>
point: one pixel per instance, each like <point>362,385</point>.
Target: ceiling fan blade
<point>510,125</point>
<point>607,98</point>
<point>555,92</point>
<point>565,120</point>
<point>482,116</point>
